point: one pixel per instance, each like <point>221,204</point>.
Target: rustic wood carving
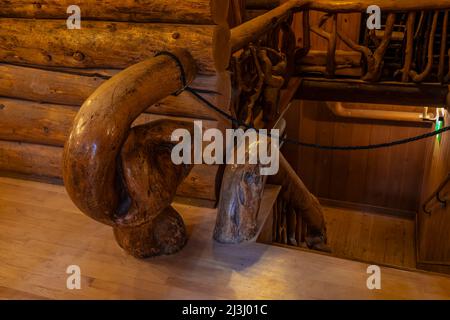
<point>372,66</point>
<point>422,76</point>
<point>331,38</point>
<point>124,177</point>
<point>237,211</point>
<point>258,76</point>
<point>242,188</point>
<point>114,172</point>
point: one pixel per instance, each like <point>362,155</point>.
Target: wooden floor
<point>42,233</point>
<point>371,237</point>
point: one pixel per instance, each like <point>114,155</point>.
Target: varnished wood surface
<point>371,237</point>
<point>433,232</point>
<point>42,233</point>
<point>101,44</point>
<point>188,11</point>
<point>389,177</point>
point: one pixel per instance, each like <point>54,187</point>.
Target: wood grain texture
<point>73,87</point>
<point>433,230</point>
<point>40,162</point>
<point>46,86</point>
<point>349,90</point>
<point>41,233</point>
<point>389,177</point>
<point>360,5</point>
<point>385,5</point>
<point>30,159</point>
<point>94,173</point>
<point>373,238</point>
<point>50,124</point>
<point>186,11</point>
<point>25,121</point>
<point>101,44</point>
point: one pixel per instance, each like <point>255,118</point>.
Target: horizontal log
<point>46,86</point>
<point>354,72</point>
<point>353,6</point>
<point>385,5</point>
<point>50,124</point>
<point>380,93</point>
<point>71,88</point>
<point>30,159</point>
<point>36,161</point>
<point>33,122</point>
<point>347,63</point>
<point>116,45</point>
<point>175,11</point>
<point>319,58</point>
<point>255,28</point>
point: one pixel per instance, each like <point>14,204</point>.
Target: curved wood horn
<point>118,175</point>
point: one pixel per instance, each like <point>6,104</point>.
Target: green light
<point>439,124</point>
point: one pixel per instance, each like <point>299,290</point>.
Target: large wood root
<point>237,213</point>
<point>241,195</point>
<point>122,175</point>
<point>146,224</point>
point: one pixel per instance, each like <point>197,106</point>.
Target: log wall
<point>47,71</point>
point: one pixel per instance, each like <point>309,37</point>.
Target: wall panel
<point>389,177</point>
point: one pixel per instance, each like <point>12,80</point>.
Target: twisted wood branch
<point>374,60</point>
<point>123,176</point>
<point>419,77</point>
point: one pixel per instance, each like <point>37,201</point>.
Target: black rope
<point>238,123</point>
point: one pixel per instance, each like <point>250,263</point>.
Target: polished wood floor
<point>42,233</point>
<point>371,237</point>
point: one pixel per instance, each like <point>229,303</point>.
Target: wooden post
<point>409,46</point>
<point>419,77</point>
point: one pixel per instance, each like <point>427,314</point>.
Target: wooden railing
<point>416,37</point>
<point>123,176</point>
<point>265,59</point>
<point>408,55</point>
<point>436,195</point>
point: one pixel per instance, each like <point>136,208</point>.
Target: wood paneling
<point>348,23</point>
<point>373,238</point>
<point>390,177</point>
<point>433,237</point>
<point>42,233</point>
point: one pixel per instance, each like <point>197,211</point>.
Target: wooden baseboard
<point>435,268</point>
<point>369,208</point>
